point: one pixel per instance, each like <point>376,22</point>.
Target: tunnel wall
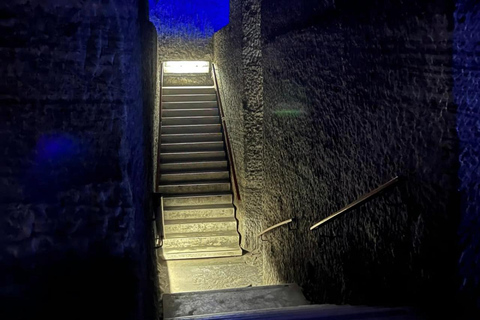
<point>185,27</point>
<point>356,94</point>
<point>466,62</point>
<point>150,295</point>
<point>238,54</point>
<point>353,95</point>
<point>184,33</point>
<point>74,164</point>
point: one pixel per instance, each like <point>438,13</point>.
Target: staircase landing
<point>210,274</point>
<point>238,300</point>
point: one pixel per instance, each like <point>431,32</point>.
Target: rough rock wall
<point>237,50</point>
<point>180,37</point>
<point>355,94</point>
<point>156,107</point>
<point>73,169</point>
<point>151,292</point>
<point>182,44</point>
<point>184,47</point>
<point>228,59</point>
<point>253,121</point>
<point>466,94</point>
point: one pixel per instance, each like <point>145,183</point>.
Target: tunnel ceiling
<point>193,17</point>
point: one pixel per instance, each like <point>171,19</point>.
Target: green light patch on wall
<point>288,113</point>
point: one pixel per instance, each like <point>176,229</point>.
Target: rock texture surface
<point>359,99</point>
<point>466,95</point>
<point>238,55</point>
<point>182,35</point>
<point>238,300</point>
<point>353,94</point>
<point>74,160</point>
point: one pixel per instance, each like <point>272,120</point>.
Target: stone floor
<point>210,274</point>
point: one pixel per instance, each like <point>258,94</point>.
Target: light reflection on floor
<point>209,274</point>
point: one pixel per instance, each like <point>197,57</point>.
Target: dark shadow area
<point>466,72</point>
<point>95,287</point>
<point>76,161</point>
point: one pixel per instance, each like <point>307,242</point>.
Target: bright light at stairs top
<point>186,67</point>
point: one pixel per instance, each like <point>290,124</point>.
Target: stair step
<point>200,128</point>
<point>312,312</point>
<point>190,120</point>
<point>202,211</point>
<point>192,156</point>
<point>189,97</point>
<point>195,176</point>
<point>199,217</point>
<point>168,253</point>
<point>200,225</point>
<point>189,112</point>
<point>189,105</point>
<point>194,187</point>
<point>197,202</point>
<point>191,137</point>
<point>193,165</point>
<point>232,300</point>
<point>188,90</point>
<point>184,241</point>
<point>192,146</point>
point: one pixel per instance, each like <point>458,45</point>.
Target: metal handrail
<point>159,227</point>
<point>358,202</point>
<point>159,143</point>
<point>225,133</point>
<point>275,226</point>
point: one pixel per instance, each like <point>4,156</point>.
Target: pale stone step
<point>200,128</point>
<point>191,137</point>
<point>195,176</point>
<point>312,312</point>
<point>197,199</point>
<point>189,112</point>
<point>190,97</point>
<point>188,90</point>
<point>194,187</point>
<point>189,105</point>
<point>193,165</point>
<point>201,239</point>
<point>198,211</point>
<point>200,253</point>
<point>190,120</point>
<point>200,225</point>
<point>182,79</point>
<point>232,300</point>
<point>192,146</point>
<point>192,156</point>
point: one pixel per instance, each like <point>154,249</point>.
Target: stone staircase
<point>198,211</point>
<point>268,302</point>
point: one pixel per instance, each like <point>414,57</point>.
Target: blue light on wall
<point>55,148</point>
<point>466,95</point>
<point>192,17</point>
<point>56,166</point>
